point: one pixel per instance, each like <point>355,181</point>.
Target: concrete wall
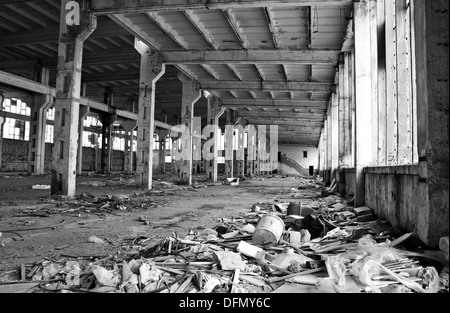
<point>396,195</point>
<point>15,157</point>
<point>350,181</point>
<point>296,153</point>
<point>437,31</point>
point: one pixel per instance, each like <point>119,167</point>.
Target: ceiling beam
<point>201,28</point>
<point>265,86</point>
<point>280,108</point>
<point>268,102</point>
<point>45,12</point>
<point>51,34</point>
<point>251,57</point>
<point>293,115</point>
<point>168,30</point>
<point>27,15</point>
<point>127,6</point>
<point>135,30</point>
<point>228,13</point>
<point>262,121</point>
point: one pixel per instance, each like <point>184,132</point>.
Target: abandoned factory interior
<point>224,147</point>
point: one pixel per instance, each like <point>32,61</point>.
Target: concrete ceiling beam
<point>128,6</point>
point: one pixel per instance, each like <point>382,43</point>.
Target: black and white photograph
<point>226,153</point>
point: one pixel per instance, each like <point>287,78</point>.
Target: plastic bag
<point>336,270</point>
<point>379,252</point>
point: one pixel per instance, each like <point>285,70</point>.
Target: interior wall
<point>437,42</point>
<point>296,153</point>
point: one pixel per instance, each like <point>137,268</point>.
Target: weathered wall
<point>437,20</point>
<point>296,153</point>
<point>394,193</point>
<point>14,156</point>
<point>350,181</point>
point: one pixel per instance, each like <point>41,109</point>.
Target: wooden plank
<point>404,77</point>
<point>19,287</point>
<point>392,83</point>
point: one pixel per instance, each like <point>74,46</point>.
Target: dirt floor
<point>157,214</point>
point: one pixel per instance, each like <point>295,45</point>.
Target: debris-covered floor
<point>265,234</point>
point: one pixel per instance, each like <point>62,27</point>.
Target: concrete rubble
<point>327,246</point>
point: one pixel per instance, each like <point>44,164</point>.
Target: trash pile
<point>326,246</point>
<point>87,203</point>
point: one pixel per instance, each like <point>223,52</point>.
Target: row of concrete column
<point>69,117</point>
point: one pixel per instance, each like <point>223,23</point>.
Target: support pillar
<point>84,110</point>
<point>67,104</point>
<point>334,134</point>
<point>107,120</point>
<point>240,150</point>
<point>152,68</point>
<point>2,122</point>
<point>190,95</point>
<point>39,106</point>
<point>229,132</point>
<point>175,163</point>
<point>129,127</point>
<point>251,149</point>
<point>365,56</point>
<point>162,133</point>
<point>212,110</point>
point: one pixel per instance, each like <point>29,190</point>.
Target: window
<point>16,129</point>
<point>49,133</point>
<point>305,154</point>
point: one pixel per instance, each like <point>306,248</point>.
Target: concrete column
<point>229,135</point>
<point>175,163</point>
<point>152,68</point>
<point>334,134</point>
<point>2,121</point>
<point>196,143</point>
<point>212,110</point>
<point>162,133</point>
<point>39,105</point>
<point>68,84</point>
<point>240,150</point>
<point>190,95</point>
<point>217,136</point>
<point>251,149</point>
<point>128,126</point>
<point>107,120</point>
<point>83,112</point>
<point>365,56</point>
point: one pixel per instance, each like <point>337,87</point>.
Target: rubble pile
<point>324,246</point>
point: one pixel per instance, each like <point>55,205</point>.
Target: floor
<point>157,214</point>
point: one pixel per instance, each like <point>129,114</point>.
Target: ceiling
<point>274,62</point>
